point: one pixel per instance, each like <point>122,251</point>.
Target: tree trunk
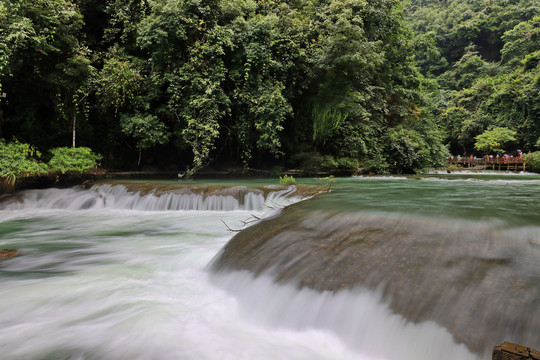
<point>74,129</point>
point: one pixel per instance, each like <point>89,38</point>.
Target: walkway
<point>511,163</point>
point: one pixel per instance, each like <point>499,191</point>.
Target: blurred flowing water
<point>379,268</point>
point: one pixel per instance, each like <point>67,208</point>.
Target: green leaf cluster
<point>73,160</point>
<point>494,140</point>
<point>532,160</point>
<point>145,129</point>
<point>20,160</point>
<point>287,180</point>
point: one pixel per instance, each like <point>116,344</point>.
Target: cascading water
<point>461,253</point>
<point>121,198</point>
<point>114,273</point>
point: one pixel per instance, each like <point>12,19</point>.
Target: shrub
<point>348,163</point>
<point>19,160</point>
<point>313,162</point>
<point>287,180</point>
<point>76,160</point>
<point>532,160</point>
<point>378,164</point>
<point>328,163</point>
<point>326,182</point>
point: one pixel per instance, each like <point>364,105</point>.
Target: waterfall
<point>477,280</point>
<point>120,197</point>
<point>361,318</point>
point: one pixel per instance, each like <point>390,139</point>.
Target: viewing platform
<point>500,163</point>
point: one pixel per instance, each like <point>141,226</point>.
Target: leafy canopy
<point>494,140</point>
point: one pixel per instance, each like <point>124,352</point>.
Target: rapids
<point>380,268</point>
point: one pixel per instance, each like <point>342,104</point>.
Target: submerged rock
<point>7,253</point>
<point>479,282</point>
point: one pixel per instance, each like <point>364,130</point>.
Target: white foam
<point>358,317</point>
<point>119,197</point>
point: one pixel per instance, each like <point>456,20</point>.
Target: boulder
<point>509,351</point>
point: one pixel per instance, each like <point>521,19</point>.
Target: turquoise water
<point>99,276</point>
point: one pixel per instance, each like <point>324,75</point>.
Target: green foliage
<point>199,99</point>
<point>269,111</point>
<point>455,24</point>
<point>4,48</point>
<point>163,33</point>
<point>327,118</point>
<point>467,70</point>
<point>122,21</point>
<point>366,85</point>
<point>323,85</point>
<point>520,41</point>
<point>494,140</point>
<point>41,53</point>
<point>377,164</point>
<point>330,162</point>
<point>19,160</point>
<point>287,180</point>
<point>117,81</point>
<point>267,51</point>
<point>407,150</point>
<point>145,129</point>
<point>326,182</point>
<point>73,160</point>
<point>491,76</point>
<point>314,162</point>
<point>532,160</point>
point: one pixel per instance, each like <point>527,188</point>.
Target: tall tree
<point>46,62</point>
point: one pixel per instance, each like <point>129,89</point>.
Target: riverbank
<point>73,179</point>
<point>47,181</point>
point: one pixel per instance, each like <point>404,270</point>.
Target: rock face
<point>509,351</point>
<point>6,253</point>
<point>480,284</point>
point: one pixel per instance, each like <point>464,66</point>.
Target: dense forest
<point>384,85</point>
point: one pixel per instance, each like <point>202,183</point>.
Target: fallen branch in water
<point>245,223</point>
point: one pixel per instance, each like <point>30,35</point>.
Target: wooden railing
<point>500,163</point>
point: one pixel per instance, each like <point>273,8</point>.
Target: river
<point>109,273</point>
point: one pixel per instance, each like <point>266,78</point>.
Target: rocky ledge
<point>160,188</point>
<point>426,269</point>
<point>509,351</point>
